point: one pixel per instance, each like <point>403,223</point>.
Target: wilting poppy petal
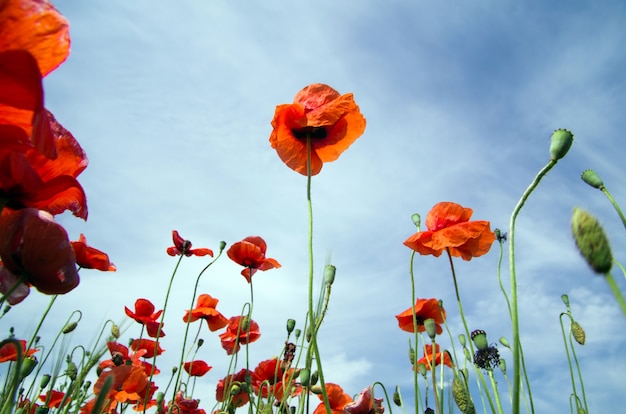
<point>330,120</point>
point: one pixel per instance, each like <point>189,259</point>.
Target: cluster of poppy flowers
<point>39,160</point>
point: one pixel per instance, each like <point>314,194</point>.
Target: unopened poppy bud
<point>431,328</point>
<point>28,365</point>
<point>422,369</point>
<point>174,370</point>
<point>316,389</point>
<point>305,376</point>
<point>222,245</point>
<point>234,389</point>
<point>86,385</point>
<point>297,333</point>
<point>397,400</point>
<point>429,410</point>
<point>502,365</point>
<point>291,324</point>
<point>468,354</point>
<point>593,179</point>
<point>6,309</point>
<point>200,342</point>
<point>561,142</point>
<point>159,399</point>
<point>461,395</point>
<point>578,332</point>
<point>45,379</point>
<point>329,274</point>
<point>462,340</point>
<point>69,327</point>
<point>245,324</point>
<point>40,409</point>
<point>505,342</point>
<point>115,331</point>
<point>565,299</point>
<point>309,335</point>
<point>417,220</point>
<point>581,410</point>
<point>480,339</point>
<point>315,376</point>
<point>71,371</point>
<point>412,355</point>
<point>592,241</point>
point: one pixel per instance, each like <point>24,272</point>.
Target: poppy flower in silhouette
<point>449,228</point>
<point>241,330</point>
<point>89,257</point>
<point>36,248</point>
<point>331,121</point>
<point>205,309</point>
<point>337,400</point>
<point>365,403</point>
<point>439,356</point>
<point>145,314</point>
<point>424,309</point>
<point>238,395</point>
<point>8,352</point>
<point>250,253</point>
<point>196,368</point>
<point>182,246</point>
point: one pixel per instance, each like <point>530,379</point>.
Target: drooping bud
<point>480,339</point>
<point>314,377</point>
<point>461,395</point>
<point>291,324</point>
<point>431,328</point>
<point>71,371</point>
<point>45,379</point>
<point>592,241</point>
<point>505,342</point>
<point>412,355</point>
<point>422,369</point>
<point>417,220</point>
<point>560,143</point>
<point>222,245</point>
<point>115,331</point>
<point>565,299</point>
<point>329,274</point>
<point>305,376</point>
<point>297,333</point>
<point>28,365</point>
<point>502,365</point>
<point>397,400</point>
<point>593,179</point>
<point>468,354</point>
<point>316,389</point>
<point>69,327</point>
<point>578,332</point>
<point>200,342</point>
<point>462,340</point>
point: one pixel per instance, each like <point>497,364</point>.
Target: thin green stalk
<point>517,346</point>
<point>616,292</point>
<point>494,387</point>
<point>11,393</point>
<point>580,375</point>
<point>43,317</point>
<point>415,333</point>
<point>621,267</point>
<point>433,374</point>
<point>615,205</point>
<point>569,359</point>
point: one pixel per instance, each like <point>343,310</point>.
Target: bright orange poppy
<point>238,395</point>
<point>449,228</point>
<point>205,309</point>
<point>439,356</point>
<point>149,345</point>
<point>145,314</point>
<point>337,400</point>
<point>269,378</point>
<point>196,368</point>
<point>330,120</point>
<point>8,352</point>
<point>182,246</point>
<point>250,253</point>
<point>424,309</point>
<point>89,257</point>
<point>239,333</point>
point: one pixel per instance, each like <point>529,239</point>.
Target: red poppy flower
<point>269,378</point>
<point>31,243</point>
<point>439,356</point>
<point>330,120</point>
<point>424,309</point>
<point>53,398</point>
<point>88,257</point>
<point>205,309</point>
<point>449,228</point>
<point>196,368</point>
<point>365,403</point>
<point>337,399</point>
<point>250,252</point>
<point>182,246</point>
<point>130,384</point>
<point>238,396</point>
<point>149,345</point>
<point>240,331</point>
<point>120,355</point>
<point>8,352</point>
<point>145,315</point>
<point>182,405</point>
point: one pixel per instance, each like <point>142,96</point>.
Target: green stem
<point>569,359</point>
<point>514,305</point>
<point>494,387</point>
<point>615,205</point>
<point>415,333</point>
<point>616,292</point>
<point>580,375</point>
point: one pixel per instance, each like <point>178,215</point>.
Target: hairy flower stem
<point>615,205</point>
<point>517,346</point>
<point>312,323</point>
<point>616,292</point>
<point>467,332</point>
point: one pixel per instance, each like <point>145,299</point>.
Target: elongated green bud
<point>71,371</point>
<point>565,299</point>
<point>592,241</point>
<point>305,376</point>
<point>578,332</point>
<point>314,377</point>
<point>560,143</point>
<point>593,179</point>
<point>291,324</point>
<point>461,395</point>
<point>69,327</point>
<point>45,379</point>
<point>462,340</point>
<point>431,328</point>
<point>397,400</point>
<point>412,355</point>
<point>329,274</point>
<point>505,342</point>
<point>417,220</point>
<point>28,365</point>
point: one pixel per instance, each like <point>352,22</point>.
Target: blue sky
<point>173,101</point>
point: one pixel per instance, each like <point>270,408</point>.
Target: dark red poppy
<point>53,398</point>
<point>8,352</point>
<point>337,400</point>
<point>330,120</point>
<point>196,368</point>
<point>237,392</point>
<point>183,405</point>
<point>365,403</point>
<point>145,314</point>
<point>240,331</point>
<point>149,345</point>
<point>250,253</point>
<point>439,356</point>
<point>88,257</point>
<point>182,246</point>
<point>205,309</point>
<point>424,309</point>
<point>449,228</point>
<point>32,244</point>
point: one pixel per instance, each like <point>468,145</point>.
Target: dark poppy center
<point>313,132</point>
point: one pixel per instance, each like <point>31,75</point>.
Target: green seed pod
<point>462,340</point>
<point>397,400</point>
<point>305,376</point>
<point>561,142</point>
<point>291,324</point>
<point>417,220</point>
<point>69,327</point>
<point>314,377</point>
<point>329,274</point>
<point>461,395</point>
<point>222,245</point>
<point>565,299</point>
<point>578,332</point>
<point>593,179</point>
<point>431,328</point>
<point>592,241</point>
<point>28,365</point>
<point>200,342</point>
<point>480,339</point>
<point>45,379</point>
<point>297,333</point>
